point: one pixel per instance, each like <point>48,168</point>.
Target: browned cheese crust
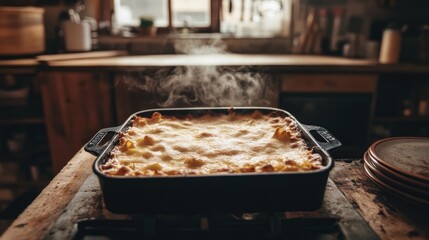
<point>210,144</point>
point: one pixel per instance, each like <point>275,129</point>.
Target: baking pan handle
<point>328,141</point>
<point>92,146</point>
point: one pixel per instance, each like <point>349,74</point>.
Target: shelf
<point>21,115</point>
<point>29,152</point>
<point>23,121</point>
<point>401,119</point>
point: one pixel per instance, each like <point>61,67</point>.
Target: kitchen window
<point>194,13</point>
<point>256,17</point>
<point>240,17</point>
<point>128,12</point>
<point>167,14</point>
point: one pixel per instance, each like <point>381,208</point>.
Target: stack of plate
<point>401,166</point>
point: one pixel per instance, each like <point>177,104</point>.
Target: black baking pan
<point>229,193</point>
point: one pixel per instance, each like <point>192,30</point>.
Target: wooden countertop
<point>25,66</point>
<point>19,62</point>
<point>32,65</point>
<point>264,62</point>
<point>74,194</point>
<point>116,61</point>
<point>213,60</point>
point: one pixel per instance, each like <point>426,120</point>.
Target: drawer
<point>332,83</point>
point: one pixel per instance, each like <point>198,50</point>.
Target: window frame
<point>214,27</point>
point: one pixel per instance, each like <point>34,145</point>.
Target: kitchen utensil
<point>406,155</point>
<point>399,185</point>
<point>395,175</point>
<point>372,49</point>
<point>250,192</point>
<point>77,36</point>
<point>390,46</point>
<point>403,195</point>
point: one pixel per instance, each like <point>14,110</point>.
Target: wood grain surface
<point>212,60</point>
<point>29,62</point>
<point>19,66</point>
<point>37,219</point>
<point>389,216</point>
<point>285,63</point>
<point>75,56</point>
<point>75,195</point>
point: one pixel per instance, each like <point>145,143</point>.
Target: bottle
<point>424,44</point>
<point>390,46</point>
<point>113,24</point>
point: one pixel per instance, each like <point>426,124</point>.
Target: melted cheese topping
<point>163,145</point>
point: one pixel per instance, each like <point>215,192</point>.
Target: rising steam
<point>203,85</point>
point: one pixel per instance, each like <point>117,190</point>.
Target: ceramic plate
<point>400,185</point>
<point>406,155</point>
<point>397,176</point>
<point>393,190</point>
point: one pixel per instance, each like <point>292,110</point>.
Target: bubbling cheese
<point>210,144</point>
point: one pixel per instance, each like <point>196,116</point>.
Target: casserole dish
<point>238,192</point>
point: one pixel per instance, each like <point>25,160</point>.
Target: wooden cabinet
<point>329,83</point>
<point>130,97</point>
<point>402,106</point>
<point>25,163</point>
<point>342,103</point>
<point>77,105</point>
<point>359,108</point>
<point>354,107</point>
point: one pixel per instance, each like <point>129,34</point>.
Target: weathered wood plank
<point>336,205</point>
<point>75,195</point>
<point>390,217</point>
<point>37,219</point>
<point>86,204</point>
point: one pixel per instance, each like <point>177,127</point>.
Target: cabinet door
<point>76,106</point>
<point>342,103</point>
<point>329,83</point>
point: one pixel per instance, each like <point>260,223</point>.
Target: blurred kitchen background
<point>336,27</point>
<point>50,105</point>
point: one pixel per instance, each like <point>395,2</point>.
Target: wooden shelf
<point>401,119</point>
<point>30,114</point>
<point>22,121</point>
<point>24,155</point>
